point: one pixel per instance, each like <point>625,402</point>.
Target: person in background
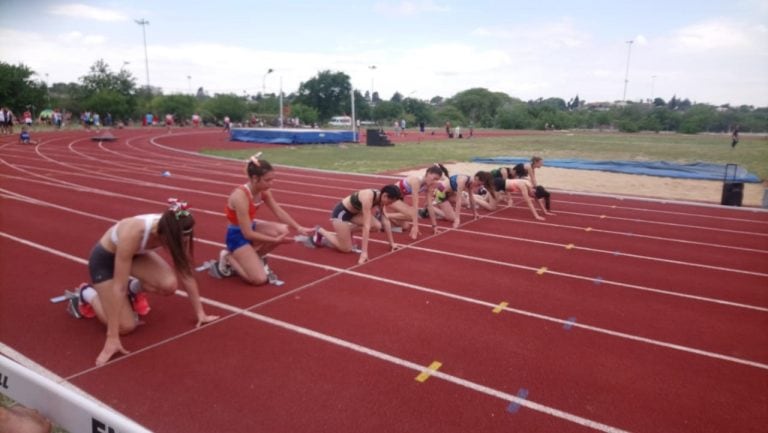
<point>24,137</point>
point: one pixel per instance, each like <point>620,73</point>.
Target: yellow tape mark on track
<point>589,229</point>
<point>542,270</point>
<point>500,307</point>
<point>569,246</point>
<point>424,375</point>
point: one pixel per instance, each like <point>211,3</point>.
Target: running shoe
<point>86,309</point>
<point>223,264</point>
<point>73,307</point>
<point>139,302</point>
<point>317,237</point>
<point>213,270</point>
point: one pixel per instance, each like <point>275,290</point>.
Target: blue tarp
<point>698,170</point>
<point>290,136</point>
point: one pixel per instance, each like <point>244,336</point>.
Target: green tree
<point>181,106</point>
<point>328,93</point>
<point>449,113</point>
<point>223,105</point>
<point>363,109</point>
<point>307,115</point>
<point>420,111</point>
<point>698,119</point>
<point>477,105</point>
<point>102,90</point>
<point>18,91</point>
<point>514,116</point>
<point>385,111</point>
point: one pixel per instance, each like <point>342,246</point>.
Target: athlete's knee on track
<point>128,325</point>
<point>167,285</point>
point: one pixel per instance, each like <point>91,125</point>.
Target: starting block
<point>212,267</point>
<point>305,240</point>
<point>58,299</point>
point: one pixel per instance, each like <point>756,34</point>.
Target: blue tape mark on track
<point>514,407</point>
<point>598,280</point>
<point>569,323</point>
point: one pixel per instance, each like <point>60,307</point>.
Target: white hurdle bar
<point>65,407</point>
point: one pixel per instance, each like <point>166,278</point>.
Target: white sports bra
<point>149,219</point>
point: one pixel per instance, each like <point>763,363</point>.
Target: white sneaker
<point>223,264</point>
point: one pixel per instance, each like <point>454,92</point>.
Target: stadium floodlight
<point>626,74</point>
<point>264,81</point>
<point>372,68</point>
<point>143,23</point>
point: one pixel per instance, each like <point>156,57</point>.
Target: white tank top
<point>149,219</point>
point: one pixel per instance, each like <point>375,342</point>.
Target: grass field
<point>751,152</point>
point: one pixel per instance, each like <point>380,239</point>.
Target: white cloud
<point>79,10</point>
<point>409,8</point>
<point>79,38</point>
<point>716,35</point>
<point>563,33</point>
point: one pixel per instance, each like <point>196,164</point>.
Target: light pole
<point>264,81</point>
<point>189,83</point>
<point>281,101</point>
<point>143,23</point>
<point>47,91</point>
<point>626,74</point>
<point>372,68</point>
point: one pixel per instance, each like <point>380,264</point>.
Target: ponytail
<point>487,180</point>
<point>257,167</point>
<point>438,169</point>
<point>176,226</point>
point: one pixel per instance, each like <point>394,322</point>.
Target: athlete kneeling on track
<point>357,211</point>
<point>400,213</point>
<point>249,240</point>
<point>125,262</point>
<point>453,191</point>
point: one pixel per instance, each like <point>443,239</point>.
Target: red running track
<point>621,314</point>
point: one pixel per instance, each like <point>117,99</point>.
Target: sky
<point>709,51</point>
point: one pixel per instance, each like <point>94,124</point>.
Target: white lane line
<point>548,410</point>
<point>516,266</point>
<point>611,253</point>
<point>466,299</point>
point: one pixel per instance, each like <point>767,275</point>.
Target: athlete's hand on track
<point>415,232</point>
<point>111,347</point>
<point>205,319</point>
<point>363,258</point>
